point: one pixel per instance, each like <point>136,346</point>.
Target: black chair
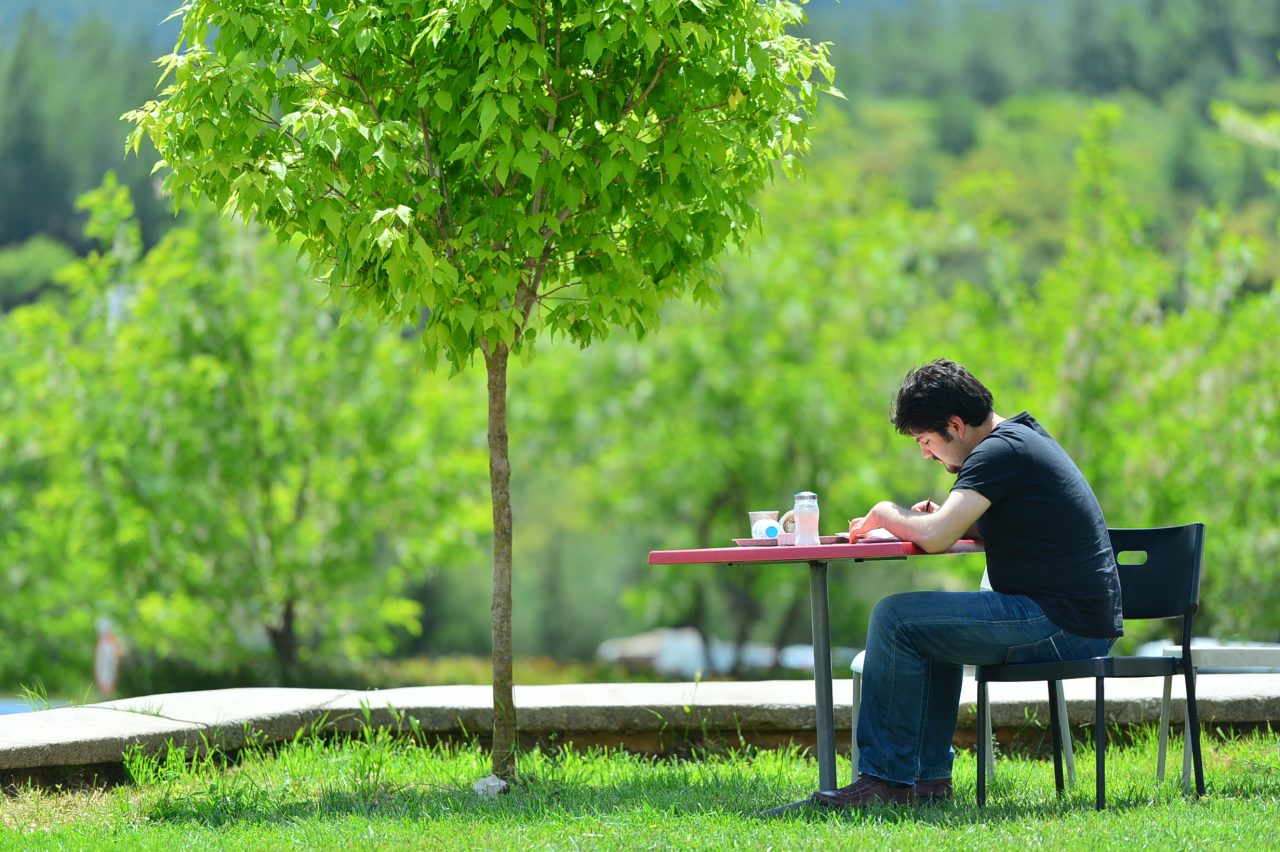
<point>1165,585</point>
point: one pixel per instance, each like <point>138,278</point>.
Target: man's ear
<point>956,423</point>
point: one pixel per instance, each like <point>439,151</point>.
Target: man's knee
<point>890,612</point>
<point>903,602</point>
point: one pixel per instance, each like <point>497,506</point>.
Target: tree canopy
<point>494,168</point>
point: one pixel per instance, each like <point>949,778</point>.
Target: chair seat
<point>858,662</point>
<point>1095,667</point>
<point>1207,657</point>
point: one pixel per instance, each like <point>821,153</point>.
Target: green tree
<point>498,171</point>
<point>61,94</point>
<point>196,449</point>
<point>27,269</point>
<point>956,124</point>
<point>34,189</point>
<point>1091,320</point>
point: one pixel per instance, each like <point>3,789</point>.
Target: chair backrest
<point>1167,583</point>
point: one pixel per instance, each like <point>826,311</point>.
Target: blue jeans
<point>917,646</point>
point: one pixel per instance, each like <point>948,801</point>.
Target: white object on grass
<point>490,787</point>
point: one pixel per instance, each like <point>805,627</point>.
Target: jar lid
<point>805,496</point>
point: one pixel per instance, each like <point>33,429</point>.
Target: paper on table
<point>879,534</point>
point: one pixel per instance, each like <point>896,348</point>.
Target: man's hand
<point>934,531</point>
<point>859,527</point>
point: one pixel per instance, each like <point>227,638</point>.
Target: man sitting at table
<point>1056,588</point>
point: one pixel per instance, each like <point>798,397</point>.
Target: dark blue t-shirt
<point>1044,532</point>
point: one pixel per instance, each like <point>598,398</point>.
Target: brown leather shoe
<point>864,793</point>
<point>937,790</point>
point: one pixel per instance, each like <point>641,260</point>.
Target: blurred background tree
<point>215,464</point>
<point>1109,269</point>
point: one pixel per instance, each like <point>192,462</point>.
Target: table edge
<point>794,553</point>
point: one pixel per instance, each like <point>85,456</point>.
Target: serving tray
<point>773,542</point>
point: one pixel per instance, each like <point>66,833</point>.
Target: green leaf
<point>526,26</point>
<point>652,41</point>
<point>444,100</point>
<point>500,20</point>
<point>488,112</point>
<point>333,219</point>
<point>466,316</point>
<point>595,46</point>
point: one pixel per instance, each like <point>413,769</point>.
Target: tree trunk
<point>504,708</point>
<point>284,639</point>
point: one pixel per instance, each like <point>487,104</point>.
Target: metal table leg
<point>823,700</point>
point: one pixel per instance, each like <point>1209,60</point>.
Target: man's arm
<point>930,507</point>
<point>933,532</point>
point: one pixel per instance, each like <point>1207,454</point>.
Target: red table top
<point>815,553</point>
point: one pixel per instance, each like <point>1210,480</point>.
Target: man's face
<point>934,446</point>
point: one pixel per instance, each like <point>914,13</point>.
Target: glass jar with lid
<point>806,510</point>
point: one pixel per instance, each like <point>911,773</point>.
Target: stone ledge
<point>652,718</point>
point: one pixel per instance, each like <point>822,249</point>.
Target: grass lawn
<point>378,793</point>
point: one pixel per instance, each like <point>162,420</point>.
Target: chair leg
<point>991,743</point>
<point>1164,726</point>
<point>1101,722</point>
<point>984,748</point>
<point>1192,730</point>
<point>1068,750</point>
<point>1186,749</point>
<point>857,708</point>
<point>1186,758</point>
<point>1055,725</point>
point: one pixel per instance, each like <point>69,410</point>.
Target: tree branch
<point>368,100</point>
<point>656,76</point>
<point>690,112</point>
<point>333,89</point>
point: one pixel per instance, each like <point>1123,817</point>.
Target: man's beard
<point>951,468</point>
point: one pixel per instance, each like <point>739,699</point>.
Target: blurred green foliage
<point>195,449</point>
<point>62,91</point>
<point>1153,368</point>
<point>994,50</point>
<point>150,469</point>
<point>1111,273</point>
<point>26,269</point>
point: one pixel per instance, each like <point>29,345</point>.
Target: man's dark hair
<point>932,393</point>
